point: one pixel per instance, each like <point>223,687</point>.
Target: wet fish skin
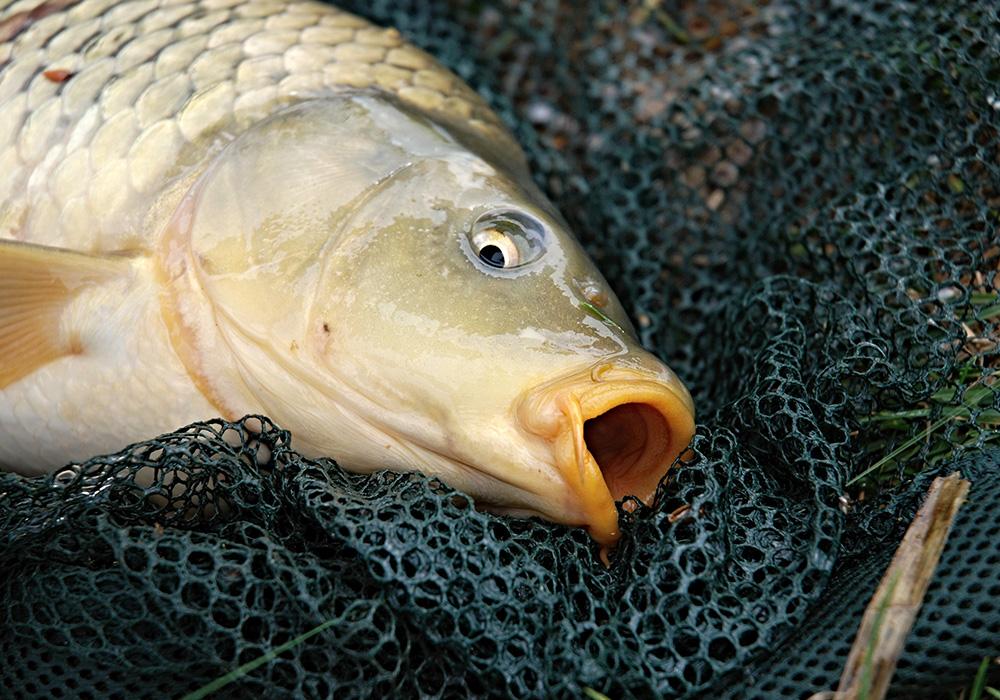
<point>154,81</point>
<point>155,90</point>
<point>273,207</point>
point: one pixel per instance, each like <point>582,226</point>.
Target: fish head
<point>399,296</point>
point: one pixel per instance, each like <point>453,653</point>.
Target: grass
<point>673,27</point>
<point>246,668</point>
<point>968,404</point>
<point>237,673</point>
<point>979,690</point>
<point>959,416</point>
<point>595,312</point>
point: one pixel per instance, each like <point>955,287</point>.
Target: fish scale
<point>89,163</point>
<point>274,207</point>
<point>155,83</point>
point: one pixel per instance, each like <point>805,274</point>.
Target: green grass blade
<point>974,397</point>
<point>594,695</point>
<point>246,668</point>
<point>923,435</point>
<point>988,312</point>
<point>962,412</point>
<point>595,312</point>
<point>993,693</point>
<point>980,681</point>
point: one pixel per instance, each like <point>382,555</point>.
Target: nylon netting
<point>798,203</point>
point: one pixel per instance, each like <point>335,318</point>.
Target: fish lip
<point>557,412</point>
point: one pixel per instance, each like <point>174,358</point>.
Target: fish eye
<point>507,239</point>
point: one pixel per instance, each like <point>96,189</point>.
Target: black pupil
<point>491,255</point>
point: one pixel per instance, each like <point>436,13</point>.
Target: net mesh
<point>798,203</point>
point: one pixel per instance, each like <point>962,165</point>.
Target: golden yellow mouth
<point>612,435</point>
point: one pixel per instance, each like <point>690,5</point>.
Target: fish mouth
<point>613,432</point>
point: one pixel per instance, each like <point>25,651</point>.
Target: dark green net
<point>798,203</point>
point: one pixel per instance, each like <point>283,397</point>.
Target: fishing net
<point>798,203</point>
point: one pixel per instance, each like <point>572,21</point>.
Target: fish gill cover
<point>798,203</point>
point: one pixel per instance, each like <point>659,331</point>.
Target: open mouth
<point>629,443</point>
<point>612,436</point>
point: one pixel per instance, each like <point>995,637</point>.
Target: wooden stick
<point>890,614</point>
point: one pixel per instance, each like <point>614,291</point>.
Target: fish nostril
<point>629,442</point>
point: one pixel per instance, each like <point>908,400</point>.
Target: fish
<point>214,208</point>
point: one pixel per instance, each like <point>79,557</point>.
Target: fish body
<point>218,208</point>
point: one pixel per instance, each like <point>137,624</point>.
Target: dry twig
<point>894,607</point>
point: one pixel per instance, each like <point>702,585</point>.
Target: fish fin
<point>36,284</point>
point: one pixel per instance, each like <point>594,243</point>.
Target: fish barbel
<point>221,207</point>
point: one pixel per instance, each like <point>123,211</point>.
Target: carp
<point>223,207</point>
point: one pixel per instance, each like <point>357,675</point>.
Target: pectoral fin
<point>36,284</point>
